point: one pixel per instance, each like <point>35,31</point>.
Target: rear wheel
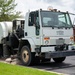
<point>26,56</point>
<point>59,60</point>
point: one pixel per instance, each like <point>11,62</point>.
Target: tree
<point>7,10</point>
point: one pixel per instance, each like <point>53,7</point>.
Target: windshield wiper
<point>65,27</point>
<point>53,26</point>
<point>62,26</point>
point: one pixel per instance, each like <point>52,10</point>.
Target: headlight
<point>47,42</point>
<point>71,38</point>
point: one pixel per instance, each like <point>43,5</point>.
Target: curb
<point>50,71</point>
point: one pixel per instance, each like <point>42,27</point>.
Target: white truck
<point>44,35</point>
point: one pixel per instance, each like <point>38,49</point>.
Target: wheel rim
<point>25,56</point>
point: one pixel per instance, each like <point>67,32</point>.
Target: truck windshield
<point>55,19</point>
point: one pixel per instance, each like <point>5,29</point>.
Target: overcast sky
<point>64,5</point>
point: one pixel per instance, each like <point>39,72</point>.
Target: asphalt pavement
<point>67,67</point>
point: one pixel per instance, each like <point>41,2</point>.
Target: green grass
<point>8,69</point>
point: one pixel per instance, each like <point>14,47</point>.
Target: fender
<point>31,42</point>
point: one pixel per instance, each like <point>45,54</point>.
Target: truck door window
<point>31,19</point>
<point>22,24</point>
<point>37,24</point>
<point>34,21</point>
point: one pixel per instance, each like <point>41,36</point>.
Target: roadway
<point>67,67</point>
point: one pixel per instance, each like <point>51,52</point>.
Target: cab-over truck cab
<point>47,34</point>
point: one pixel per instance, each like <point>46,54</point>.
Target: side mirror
<point>74,26</point>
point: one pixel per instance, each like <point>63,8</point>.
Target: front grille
<point>60,41</point>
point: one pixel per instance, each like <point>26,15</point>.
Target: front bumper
<point>59,54</point>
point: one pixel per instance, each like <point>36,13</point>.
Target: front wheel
<point>26,56</point>
<point>59,60</point>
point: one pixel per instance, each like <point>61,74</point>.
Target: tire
<point>6,53</point>
<point>36,60</point>
<point>26,56</point>
<point>59,60</point>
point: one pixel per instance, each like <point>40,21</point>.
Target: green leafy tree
<point>7,10</point>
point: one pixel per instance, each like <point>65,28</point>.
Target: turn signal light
<point>71,37</point>
<point>46,38</point>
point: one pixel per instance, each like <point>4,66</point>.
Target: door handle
<point>25,33</point>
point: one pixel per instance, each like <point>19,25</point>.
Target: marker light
<point>71,38</point>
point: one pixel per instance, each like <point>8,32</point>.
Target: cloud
<point>25,5</point>
<point>69,5</point>
<point>53,1</point>
<point>63,5</point>
<point>58,2</point>
<point>72,4</point>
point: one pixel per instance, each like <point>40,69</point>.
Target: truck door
<point>34,27</point>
